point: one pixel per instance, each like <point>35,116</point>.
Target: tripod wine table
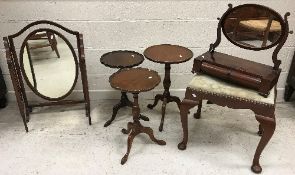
<point>121,59</point>
<point>167,54</point>
<point>136,80</point>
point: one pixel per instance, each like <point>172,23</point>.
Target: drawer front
<point>231,75</point>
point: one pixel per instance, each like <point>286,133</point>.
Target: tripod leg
<point>129,141</point>
<point>157,98</point>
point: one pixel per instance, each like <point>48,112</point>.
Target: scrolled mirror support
<point>218,39</point>
<point>275,60</point>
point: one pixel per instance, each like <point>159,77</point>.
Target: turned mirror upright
<point>49,58</point>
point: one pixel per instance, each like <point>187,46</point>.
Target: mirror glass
<point>48,62</point>
<point>253,26</point>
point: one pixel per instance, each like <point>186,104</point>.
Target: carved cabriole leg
<point>197,115</point>
<point>268,126</point>
<point>129,144</point>
<point>185,106</point>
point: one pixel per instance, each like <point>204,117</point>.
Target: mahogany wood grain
<point>240,71</point>
<point>136,80</point>
<point>17,77</point>
<point>167,54</point>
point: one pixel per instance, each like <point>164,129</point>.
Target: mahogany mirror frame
<point>274,13</point>
<point>17,73</point>
<point>279,43</point>
<point>25,74</point>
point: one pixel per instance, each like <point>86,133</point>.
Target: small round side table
<point>167,54</point>
<point>121,59</point>
<point>136,80</point>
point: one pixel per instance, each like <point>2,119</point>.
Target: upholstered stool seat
<point>205,87</point>
<point>212,85</point>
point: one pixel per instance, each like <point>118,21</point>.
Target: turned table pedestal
<point>136,80</point>
<point>121,59</point>
<point>167,54</point>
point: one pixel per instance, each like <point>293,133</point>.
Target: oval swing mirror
<point>253,26</point>
<point>49,64</point>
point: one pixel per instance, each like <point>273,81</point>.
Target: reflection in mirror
<point>49,64</point>
<point>252,26</point>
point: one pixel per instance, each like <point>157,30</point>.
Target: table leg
<point>135,128</point>
<point>163,114</point>
<point>165,97</point>
<point>268,126</point>
<point>124,101</point>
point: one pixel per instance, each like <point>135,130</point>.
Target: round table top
<point>135,80</point>
<point>121,59</point>
<point>166,53</point>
